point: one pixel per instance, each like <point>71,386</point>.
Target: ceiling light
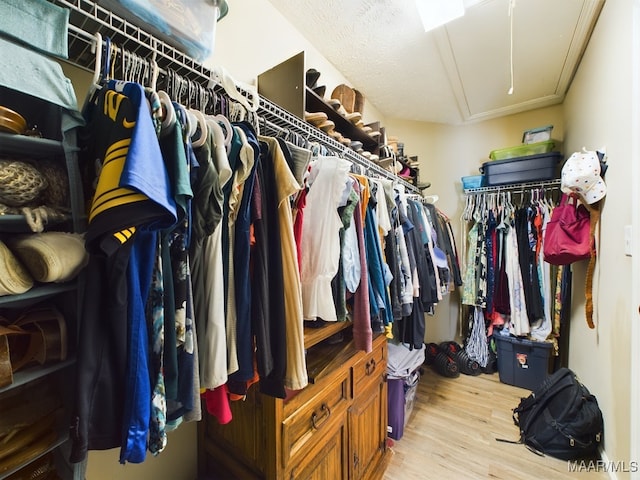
<point>435,13</point>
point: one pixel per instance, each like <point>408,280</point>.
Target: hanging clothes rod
<point>553,184</point>
<point>87,18</point>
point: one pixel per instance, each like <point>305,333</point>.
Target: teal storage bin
<point>521,362</point>
<point>473,181</point>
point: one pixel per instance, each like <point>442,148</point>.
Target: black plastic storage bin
<point>521,362</point>
<point>532,168</point>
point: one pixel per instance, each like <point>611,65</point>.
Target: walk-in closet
<point>282,239</point>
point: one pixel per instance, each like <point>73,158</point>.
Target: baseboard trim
<point>605,459</point>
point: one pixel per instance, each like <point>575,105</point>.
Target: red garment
<point>217,401</point>
<point>301,201</point>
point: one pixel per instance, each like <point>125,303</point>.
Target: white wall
<point>447,153</point>
<point>177,462</point>
<point>254,37</point>
<point>598,112</point>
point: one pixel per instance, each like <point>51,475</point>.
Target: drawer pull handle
<point>314,417</point>
<point>370,367</point>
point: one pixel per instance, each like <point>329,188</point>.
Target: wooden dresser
<point>335,428</point>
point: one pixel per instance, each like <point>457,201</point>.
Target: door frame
<point>635,242</point>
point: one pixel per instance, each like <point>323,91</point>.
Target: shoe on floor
<point>14,277</point>
<point>51,256</point>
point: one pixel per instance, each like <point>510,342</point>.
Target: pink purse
<point>568,237</point>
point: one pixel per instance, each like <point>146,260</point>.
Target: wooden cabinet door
<point>327,459</point>
<point>367,428</point>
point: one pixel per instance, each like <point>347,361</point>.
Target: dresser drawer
<point>370,367</point>
<point>316,417</point>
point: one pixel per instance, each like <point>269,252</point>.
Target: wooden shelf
<point>313,336</point>
<point>327,358</point>
<point>316,104</point>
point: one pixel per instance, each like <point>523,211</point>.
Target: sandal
<point>39,335</point>
<point>26,444</point>
<point>6,371</point>
<point>47,339</point>
<point>41,469</point>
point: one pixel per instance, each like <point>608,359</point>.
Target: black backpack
<point>561,418</point>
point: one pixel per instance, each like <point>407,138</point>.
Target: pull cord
<point>512,5</point>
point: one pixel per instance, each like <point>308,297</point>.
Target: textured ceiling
<point>455,74</point>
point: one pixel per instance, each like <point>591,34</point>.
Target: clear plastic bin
<point>188,25</point>
<point>539,134</point>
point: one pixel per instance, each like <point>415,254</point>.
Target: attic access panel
<point>549,37</point>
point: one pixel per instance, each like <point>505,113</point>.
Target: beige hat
<point>581,175</point>
<point>51,256</point>
<point>14,277</point>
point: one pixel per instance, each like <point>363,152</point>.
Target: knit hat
<point>20,183</point>
<point>581,175</point>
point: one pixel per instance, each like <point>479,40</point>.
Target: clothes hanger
<point>106,60</point>
<point>221,160</point>
<point>98,69</point>
<point>114,51</point>
<point>227,129</point>
<point>144,71</point>
<point>155,72</point>
<point>126,66</point>
<point>219,76</point>
<point>168,112</point>
<point>190,119</point>
<point>203,129</point>
<point>96,48</point>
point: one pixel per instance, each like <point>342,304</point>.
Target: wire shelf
<point>87,18</point>
<point>515,187</point>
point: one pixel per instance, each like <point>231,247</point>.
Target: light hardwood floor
<point>451,434</point>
